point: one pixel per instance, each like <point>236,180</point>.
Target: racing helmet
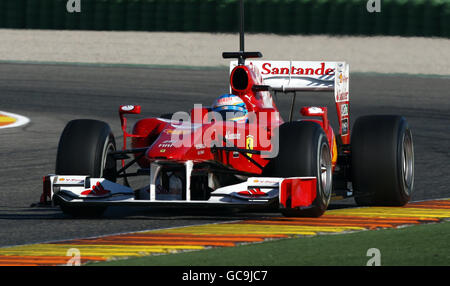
<point>231,107</point>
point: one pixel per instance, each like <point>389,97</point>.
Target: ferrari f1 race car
<point>240,152</point>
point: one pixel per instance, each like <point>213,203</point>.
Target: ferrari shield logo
<point>249,144</point>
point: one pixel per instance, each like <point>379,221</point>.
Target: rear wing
<point>292,76</point>
<point>298,76</point>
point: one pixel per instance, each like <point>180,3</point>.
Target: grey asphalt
<point>51,95</point>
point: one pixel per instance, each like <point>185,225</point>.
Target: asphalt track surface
<point>51,95</point>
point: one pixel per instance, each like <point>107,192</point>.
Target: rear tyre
<point>304,152</point>
<point>83,150</point>
<point>382,160</point>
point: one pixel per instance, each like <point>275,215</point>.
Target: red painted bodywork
<point>297,192</point>
<point>159,133</point>
<point>97,190</point>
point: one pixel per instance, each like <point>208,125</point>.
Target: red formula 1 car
<point>203,158</point>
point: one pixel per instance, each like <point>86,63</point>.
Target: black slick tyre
<point>304,152</point>
<point>83,150</point>
<point>382,161</point>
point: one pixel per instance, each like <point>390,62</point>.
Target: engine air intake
<point>239,79</point>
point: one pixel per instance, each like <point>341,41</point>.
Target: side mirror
<point>129,109</point>
<point>313,111</point>
<point>316,111</point>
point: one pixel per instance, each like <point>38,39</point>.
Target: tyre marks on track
<point>225,234</point>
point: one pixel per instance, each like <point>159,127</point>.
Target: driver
<point>231,107</point>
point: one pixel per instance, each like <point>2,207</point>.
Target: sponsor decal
<point>344,109</point>
<point>344,126</point>
<point>266,181</point>
<point>232,136</point>
<point>166,144</point>
<point>342,96</point>
<point>268,69</point>
<point>341,91</point>
<point>342,79</point>
<point>70,180</point>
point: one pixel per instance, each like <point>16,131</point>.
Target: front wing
<point>290,193</point>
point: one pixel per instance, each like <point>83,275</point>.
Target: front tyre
<point>382,160</point>
<point>83,150</point>
<point>304,152</point>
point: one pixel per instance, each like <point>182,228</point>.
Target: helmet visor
<point>232,115</point>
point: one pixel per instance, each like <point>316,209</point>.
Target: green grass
<point>415,245</point>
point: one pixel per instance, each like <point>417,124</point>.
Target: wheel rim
<point>108,163</point>
<point>325,172</point>
<point>407,162</point>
